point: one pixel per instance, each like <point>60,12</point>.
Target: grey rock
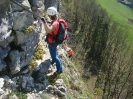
<point>6,77</point>
<point>25,4</point>
<point>61,85</point>
<point>59,89</point>
<point>37,7</point>
<point>1,82</point>
<point>2,2</point>
<point>34,96</point>
<point>25,71</point>
<point>4,52</point>
<point>28,57</point>
<point>59,93</point>
<point>4,5</point>
<point>37,3</point>
<point>49,3</point>
<point>15,61</point>
<point>2,65</point>
<point>10,84</point>
<point>20,38</point>
<point>21,17</point>
<point>22,20</point>
<point>25,58</point>
<point>28,41</point>
<point>5,22</point>
<point>27,83</point>
<point>22,59</point>
<point>62,88</point>
<point>54,90</point>
<point>50,89</point>
<point>6,42</point>
<point>45,66</point>
<point>2,94</point>
<point>41,86</point>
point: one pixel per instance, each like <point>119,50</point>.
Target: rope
<point>21,5</point>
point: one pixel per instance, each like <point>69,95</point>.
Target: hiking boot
<point>57,73</point>
<point>52,62</point>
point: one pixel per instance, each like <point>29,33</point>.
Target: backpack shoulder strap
<point>64,22</point>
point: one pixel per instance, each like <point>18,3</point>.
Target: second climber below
<point>53,27</point>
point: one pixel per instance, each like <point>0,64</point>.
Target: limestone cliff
<point>21,30</point>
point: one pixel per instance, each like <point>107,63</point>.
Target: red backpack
<point>62,32</point>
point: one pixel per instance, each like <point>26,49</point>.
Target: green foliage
<point>119,12</point>
<point>100,44</point>
<point>71,64</point>
<point>116,64</point>
<point>69,96</point>
<point>20,95</point>
<point>11,94</point>
<point>65,79</point>
<point>37,55</point>
<point>39,52</point>
<point>89,95</point>
<point>97,91</point>
<point>28,29</point>
<point>90,26</point>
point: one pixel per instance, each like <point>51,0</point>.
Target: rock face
<point>5,19</point>
<point>37,7</point>
<point>17,46</point>
<point>52,3</point>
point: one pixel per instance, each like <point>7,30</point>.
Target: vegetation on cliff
<point>102,48</point>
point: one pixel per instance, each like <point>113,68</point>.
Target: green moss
<point>28,29</point>
<point>39,52</point>
<point>37,55</point>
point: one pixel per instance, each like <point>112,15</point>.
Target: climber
<point>53,27</point>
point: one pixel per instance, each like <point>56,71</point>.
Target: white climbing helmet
<point>52,11</point>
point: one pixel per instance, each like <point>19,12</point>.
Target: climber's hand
<point>43,19</point>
